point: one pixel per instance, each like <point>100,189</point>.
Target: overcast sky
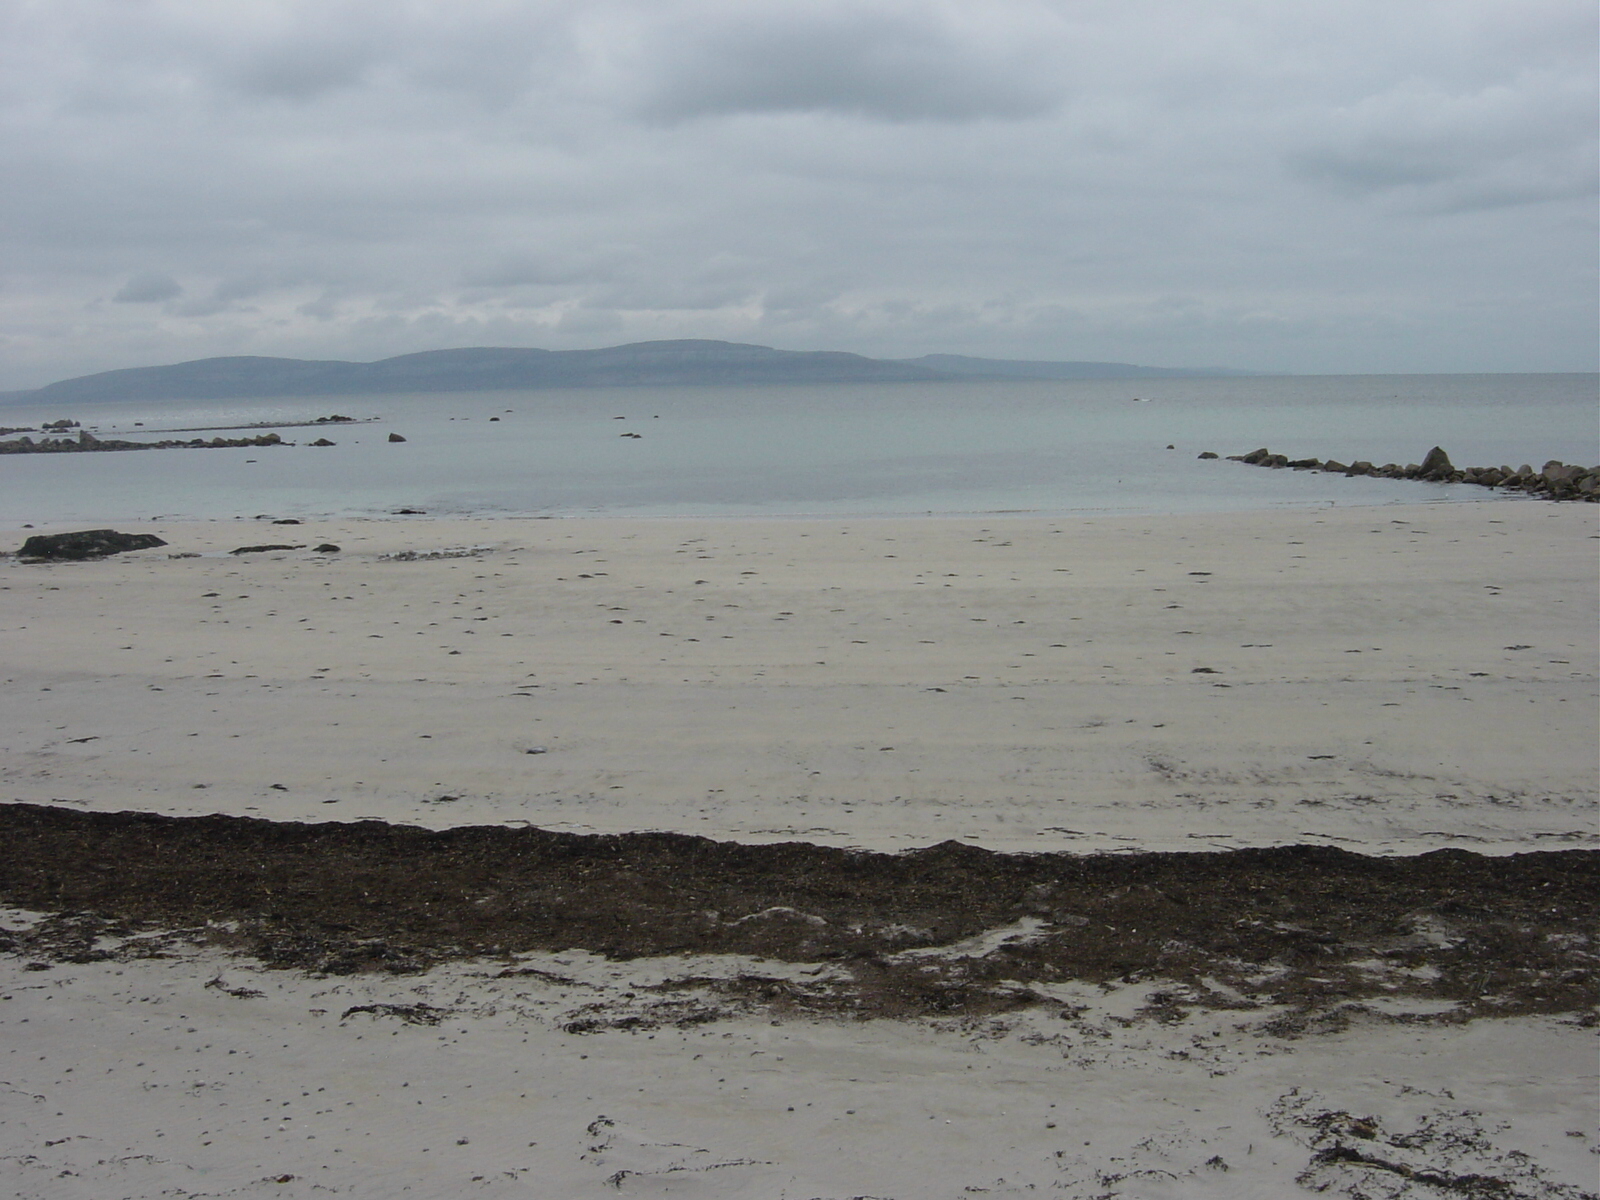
<point>1291,185</point>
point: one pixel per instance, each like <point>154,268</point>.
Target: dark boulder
<point>1436,465</point>
<point>395,437</point>
<point>324,442</point>
<point>1208,454</point>
<point>86,544</point>
<point>264,549</point>
<point>326,548</point>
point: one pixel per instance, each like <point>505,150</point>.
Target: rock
<point>1208,454</point>
<point>86,544</point>
<point>264,549</point>
<point>1337,467</point>
<point>287,521</point>
<point>326,548</point>
<point>395,437</point>
<point>1436,464</point>
<point>1360,467</point>
<point>324,442</point>
<point>1256,457</point>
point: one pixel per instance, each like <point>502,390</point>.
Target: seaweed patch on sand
<point>1317,934</point>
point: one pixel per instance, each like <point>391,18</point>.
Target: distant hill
<point>693,362</point>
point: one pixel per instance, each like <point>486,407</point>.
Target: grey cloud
<point>675,295</point>
<point>589,322</point>
<point>324,308</point>
<point>1497,145</point>
<point>301,70</point>
<point>534,269</point>
<point>1149,180</point>
<point>888,63</point>
<point>148,288</point>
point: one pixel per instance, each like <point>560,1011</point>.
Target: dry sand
<point>1390,680</point>
<point>1394,679</point>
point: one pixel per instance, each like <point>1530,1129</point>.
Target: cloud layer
<point>1326,186</point>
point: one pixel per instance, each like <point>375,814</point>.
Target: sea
<point>902,449</point>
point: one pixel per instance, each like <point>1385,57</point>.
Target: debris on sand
<point>1315,932</point>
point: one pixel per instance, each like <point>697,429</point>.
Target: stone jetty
<point>1555,480</point>
<point>86,442</point>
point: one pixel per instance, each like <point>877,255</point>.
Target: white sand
<point>1388,679</point>
<point>140,1080</point>
<point>1394,679</point>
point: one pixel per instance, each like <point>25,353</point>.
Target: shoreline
<point>16,525</point>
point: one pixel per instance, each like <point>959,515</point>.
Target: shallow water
<point>873,449</point>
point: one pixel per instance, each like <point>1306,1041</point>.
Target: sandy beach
<point>1389,681</point>
<point>1398,678</point>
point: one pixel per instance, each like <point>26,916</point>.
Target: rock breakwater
<point>1555,480</point>
<point>86,442</point>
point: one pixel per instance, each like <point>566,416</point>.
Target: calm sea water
<point>880,449</point>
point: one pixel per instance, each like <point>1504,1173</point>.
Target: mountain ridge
<point>696,362</point>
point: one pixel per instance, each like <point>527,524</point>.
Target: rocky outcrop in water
<point>84,544</point>
<point>86,442</point>
<point>1554,481</point>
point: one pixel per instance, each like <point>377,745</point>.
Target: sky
<point>1315,186</point>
